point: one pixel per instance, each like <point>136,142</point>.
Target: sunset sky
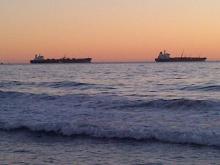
<point>108,30</point>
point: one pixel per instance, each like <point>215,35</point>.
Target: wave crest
<point>175,104</point>
<point>64,84</point>
<point>198,137</point>
<point>115,102</point>
<point>208,88</point>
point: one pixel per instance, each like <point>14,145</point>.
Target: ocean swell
<point>113,101</point>
<point>204,88</point>
<point>64,84</point>
<point>179,104</point>
<point>57,84</point>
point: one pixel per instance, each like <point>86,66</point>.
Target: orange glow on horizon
<point>113,30</point>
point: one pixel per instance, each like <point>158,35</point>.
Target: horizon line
<point>100,62</point>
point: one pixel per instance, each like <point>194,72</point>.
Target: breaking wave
<point>197,137</point>
<point>111,116</point>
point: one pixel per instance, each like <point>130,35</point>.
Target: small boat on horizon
<point>165,57</point>
<point>39,59</point>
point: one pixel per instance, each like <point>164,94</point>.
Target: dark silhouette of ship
<point>165,57</point>
<point>39,59</point>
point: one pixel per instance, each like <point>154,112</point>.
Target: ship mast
<point>182,53</point>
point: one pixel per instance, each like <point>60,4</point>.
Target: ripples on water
<point>170,103</point>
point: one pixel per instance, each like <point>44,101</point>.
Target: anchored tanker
<point>165,57</point>
<point>39,59</point>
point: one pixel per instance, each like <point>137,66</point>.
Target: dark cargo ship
<point>165,57</point>
<point>39,59</point>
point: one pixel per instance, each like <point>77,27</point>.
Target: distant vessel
<point>165,57</point>
<point>39,59</point>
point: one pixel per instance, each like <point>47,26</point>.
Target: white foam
<point>95,116</point>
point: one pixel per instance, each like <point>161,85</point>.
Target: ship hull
<point>61,61</point>
<point>181,59</point>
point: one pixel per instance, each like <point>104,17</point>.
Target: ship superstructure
<point>39,59</point>
<point>165,57</point>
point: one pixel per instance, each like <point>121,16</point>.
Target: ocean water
<point>128,113</point>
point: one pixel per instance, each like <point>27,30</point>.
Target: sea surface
<point>110,114</point>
